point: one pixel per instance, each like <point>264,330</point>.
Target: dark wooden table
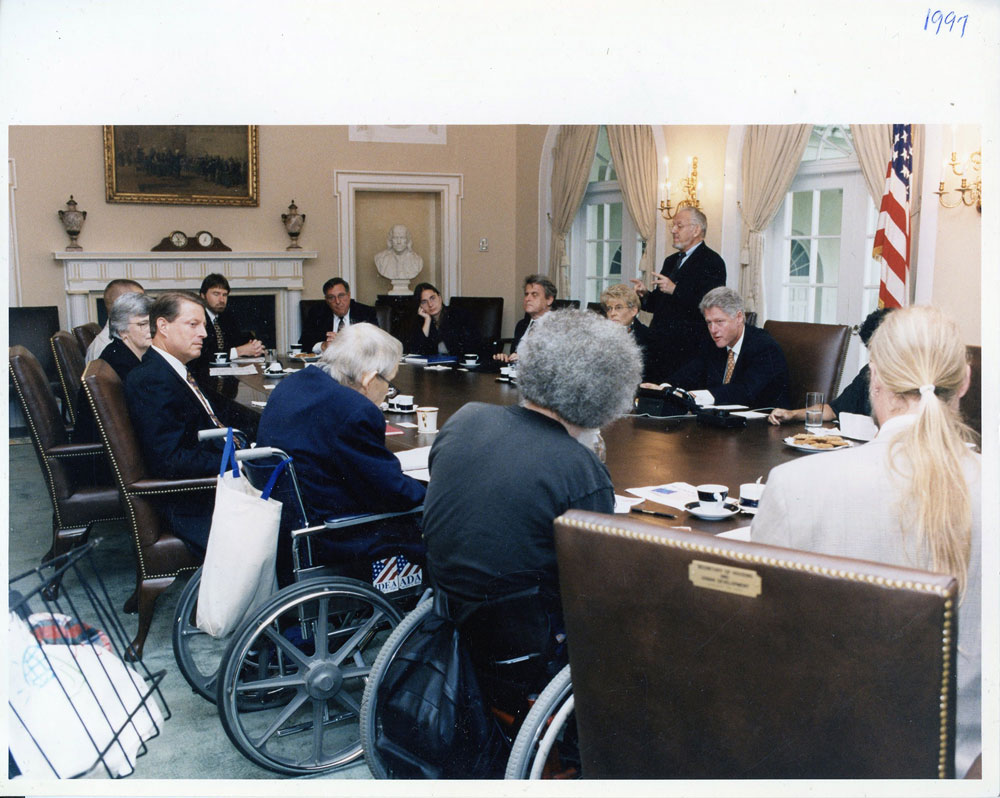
<point>640,451</point>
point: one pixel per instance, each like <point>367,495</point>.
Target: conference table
<point>641,451</point>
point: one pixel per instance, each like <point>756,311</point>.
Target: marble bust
<point>398,262</point>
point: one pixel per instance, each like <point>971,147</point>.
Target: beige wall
<point>296,162</point>
<point>708,144</point>
<point>958,253</point>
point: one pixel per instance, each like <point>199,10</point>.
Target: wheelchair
<point>288,681</point>
<point>540,732</point>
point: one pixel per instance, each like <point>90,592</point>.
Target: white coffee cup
<point>751,494</point>
<point>427,419</point>
<point>713,497</point>
<point>401,402</point>
<point>296,349</point>
<point>472,359</point>
<point>221,357</point>
<point>505,371</point>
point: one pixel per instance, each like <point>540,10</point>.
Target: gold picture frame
<point>181,164</point>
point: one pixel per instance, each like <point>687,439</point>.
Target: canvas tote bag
<point>238,575</point>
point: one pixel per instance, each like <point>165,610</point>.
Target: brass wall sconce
<point>970,191</point>
<point>689,186</point>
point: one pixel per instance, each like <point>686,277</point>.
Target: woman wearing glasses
<point>328,419</point>
<point>442,330</point>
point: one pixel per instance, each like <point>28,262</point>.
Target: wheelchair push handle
<point>258,453</point>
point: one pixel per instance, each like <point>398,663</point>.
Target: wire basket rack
<point>74,705</point>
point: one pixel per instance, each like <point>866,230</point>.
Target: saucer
<point>402,412</point>
<point>731,508</point>
<point>273,373</point>
<point>470,365</point>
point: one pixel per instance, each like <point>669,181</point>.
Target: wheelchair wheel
<point>370,710</point>
<point>198,654</point>
<point>291,679</point>
<point>546,746</point>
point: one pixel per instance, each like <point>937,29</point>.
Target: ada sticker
<point>395,573</point>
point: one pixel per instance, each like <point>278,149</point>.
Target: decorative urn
<point>72,220</point>
<point>293,221</point>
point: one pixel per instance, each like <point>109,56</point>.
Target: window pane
<point>798,267</point>
<point>828,260</point>
<point>831,206</point>
<point>798,304</point>
<point>602,168</point>
<point>826,306</point>
<point>802,203</point>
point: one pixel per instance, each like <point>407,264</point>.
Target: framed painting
<point>181,164</point>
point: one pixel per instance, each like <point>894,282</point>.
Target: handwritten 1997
<point>948,19</point>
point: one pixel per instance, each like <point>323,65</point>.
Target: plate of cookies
<point>810,442</point>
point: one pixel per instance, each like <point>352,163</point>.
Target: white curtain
<point>771,157</point>
<point>571,161</point>
<point>873,146</point>
<point>633,153</point>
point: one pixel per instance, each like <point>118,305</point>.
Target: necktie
<point>677,268</point>
<point>203,400</point>
<point>220,339</point>
<point>730,365</point>
<point>338,322</point>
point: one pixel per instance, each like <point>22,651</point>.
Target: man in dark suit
<point>167,409</point>
<point>745,366</point>
<point>677,329</point>
<point>539,294</point>
<point>324,322</point>
<point>222,331</point>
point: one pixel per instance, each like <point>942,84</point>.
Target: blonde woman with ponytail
<point>910,497</point>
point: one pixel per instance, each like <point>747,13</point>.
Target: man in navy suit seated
<point>167,408</point>
<point>327,417</point>
<point>339,312</point>
<point>745,366</point>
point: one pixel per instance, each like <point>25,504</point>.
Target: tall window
<point>819,262</point>
<point>605,248</point>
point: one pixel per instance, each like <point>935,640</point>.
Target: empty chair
<point>68,468</point>
<point>159,555</point>
<point>815,355</point>
<point>69,365</point>
<point>560,304</point>
<point>85,335</point>
<point>32,327</point>
<point>487,312</point>
<point>596,307</point>
<point>699,657</point>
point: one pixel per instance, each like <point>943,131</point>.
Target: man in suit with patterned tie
<point>337,312</point>
<point>222,332</point>
<point>167,408</point>
<point>740,365</point>
<point>677,329</point>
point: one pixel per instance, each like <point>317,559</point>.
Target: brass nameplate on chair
<point>741,581</point>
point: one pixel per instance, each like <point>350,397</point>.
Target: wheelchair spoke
<point>292,680</point>
<point>279,721</point>
<point>321,628</point>
<point>357,672</point>
<point>317,731</point>
<point>286,646</point>
<point>355,640</point>
<point>349,702</point>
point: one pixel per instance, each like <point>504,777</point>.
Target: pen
<point>652,512</point>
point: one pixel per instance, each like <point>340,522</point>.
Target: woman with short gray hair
<point>501,475</point>
<point>328,419</point>
<point>128,322</point>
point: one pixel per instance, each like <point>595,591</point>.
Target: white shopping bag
<point>238,574</point>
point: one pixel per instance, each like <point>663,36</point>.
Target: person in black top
<point>854,398</point>
<point>222,330</point>
<point>442,330</point>
<point>677,330</point>
<point>539,294</point>
<point>621,305</point>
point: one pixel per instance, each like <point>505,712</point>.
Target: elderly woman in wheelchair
<point>500,476</point>
<point>289,680</point>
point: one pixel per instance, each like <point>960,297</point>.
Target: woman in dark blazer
<point>442,330</point>
<point>621,305</point>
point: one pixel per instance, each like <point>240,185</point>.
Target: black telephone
<point>666,400</point>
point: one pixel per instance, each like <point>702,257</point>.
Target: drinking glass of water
<point>814,410</point>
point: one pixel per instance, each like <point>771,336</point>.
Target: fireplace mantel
<point>279,273</point>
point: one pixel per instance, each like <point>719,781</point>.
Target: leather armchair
<point>69,365</point>
<point>699,657</point>
<point>85,335</point>
<point>487,312</point>
<point>159,556</point>
<point>68,468</point>
<point>815,354</point>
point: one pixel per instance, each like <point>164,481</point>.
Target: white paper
<point>743,533</point>
<point>673,494</point>
<point>854,425</point>
<point>258,403</point>
<point>269,387</point>
<point>703,398</point>
<point>231,371</point>
<point>625,503</point>
<point>749,414</point>
<point>414,459</point>
<point>249,359</point>
<point>407,424</point>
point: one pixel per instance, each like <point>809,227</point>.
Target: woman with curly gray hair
<point>501,475</point>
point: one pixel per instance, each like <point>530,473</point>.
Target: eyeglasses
<point>392,391</point>
<point>335,296</point>
<point>426,301</point>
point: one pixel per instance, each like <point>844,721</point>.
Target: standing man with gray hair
<point>677,329</point>
<point>744,367</point>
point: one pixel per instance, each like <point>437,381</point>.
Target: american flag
<point>392,573</point>
<point>892,237</point>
